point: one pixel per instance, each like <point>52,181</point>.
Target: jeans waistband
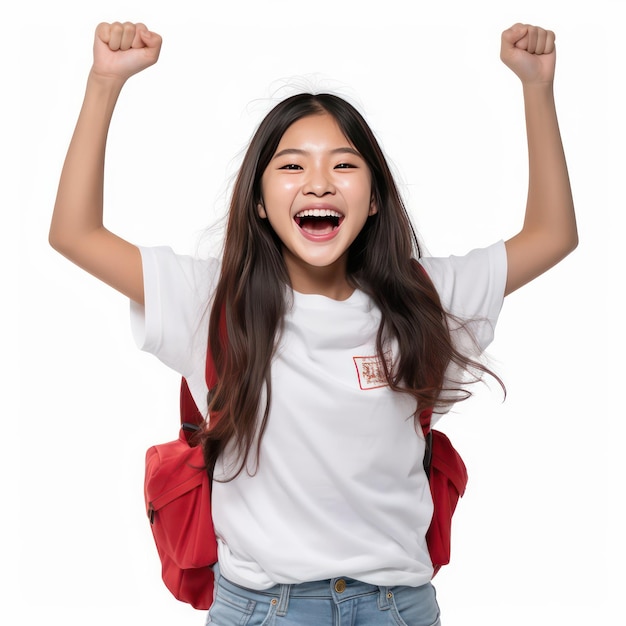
<point>337,589</point>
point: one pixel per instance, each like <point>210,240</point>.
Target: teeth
<point>319,213</point>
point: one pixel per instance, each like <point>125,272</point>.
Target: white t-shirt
<point>340,488</point>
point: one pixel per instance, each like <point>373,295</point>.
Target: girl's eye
<point>344,166</point>
<point>290,166</point>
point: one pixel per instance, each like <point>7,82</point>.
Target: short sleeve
<point>173,322</point>
<point>471,288</point>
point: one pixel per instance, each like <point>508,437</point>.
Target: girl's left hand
<point>529,51</point>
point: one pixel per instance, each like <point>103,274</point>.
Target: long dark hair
<point>249,301</point>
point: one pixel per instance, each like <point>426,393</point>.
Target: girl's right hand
<point>121,50</point>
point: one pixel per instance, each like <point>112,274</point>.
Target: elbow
<point>56,240</point>
<point>52,240</point>
<point>572,242</point>
<point>61,240</point>
<point>564,238</point>
<point>565,248</point>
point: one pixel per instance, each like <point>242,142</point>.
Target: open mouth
<point>319,221</point>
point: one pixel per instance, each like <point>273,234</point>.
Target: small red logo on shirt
<point>370,371</point>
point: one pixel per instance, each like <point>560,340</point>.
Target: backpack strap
<point>190,416</point>
<point>191,419</point>
<point>426,414</point>
<point>425,417</point>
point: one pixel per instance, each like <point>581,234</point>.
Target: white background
<point>537,537</point>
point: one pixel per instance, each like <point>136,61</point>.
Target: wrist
<point>101,94</point>
<point>107,82</point>
<point>539,100</point>
<point>545,87</point>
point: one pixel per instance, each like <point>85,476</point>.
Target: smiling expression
<point>317,196</point>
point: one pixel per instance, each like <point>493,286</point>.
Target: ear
<point>373,207</point>
<point>261,211</point>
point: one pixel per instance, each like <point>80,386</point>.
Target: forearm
<point>549,230</point>
<point>550,207</point>
<point>77,231</point>
<point>79,203</point>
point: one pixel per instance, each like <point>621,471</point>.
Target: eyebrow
<point>297,151</point>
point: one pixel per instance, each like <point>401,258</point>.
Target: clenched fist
<point>529,51</point>
<point>121,50</point>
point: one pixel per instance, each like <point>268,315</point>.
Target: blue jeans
<point>334,602</point>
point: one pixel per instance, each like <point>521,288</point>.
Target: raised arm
<point>77,230</point>
<point>549,232</point>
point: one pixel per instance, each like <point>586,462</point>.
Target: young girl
<point>336,338</point>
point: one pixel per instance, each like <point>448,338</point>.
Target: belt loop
<point>283,601</point>
<point>383,598</point>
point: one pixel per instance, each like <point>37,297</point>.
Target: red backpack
<point>177,492</point>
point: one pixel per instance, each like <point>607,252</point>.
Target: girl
<point>336,338</point>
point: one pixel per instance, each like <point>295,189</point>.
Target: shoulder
<point>172,323</point>
<point>162,266</point>
<point>470,284</point>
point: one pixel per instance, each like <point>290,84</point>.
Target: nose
<point>318,182</point>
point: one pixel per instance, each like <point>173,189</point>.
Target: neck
<point>330,281</point>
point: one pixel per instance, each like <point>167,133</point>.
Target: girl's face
<point>317,195</point>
